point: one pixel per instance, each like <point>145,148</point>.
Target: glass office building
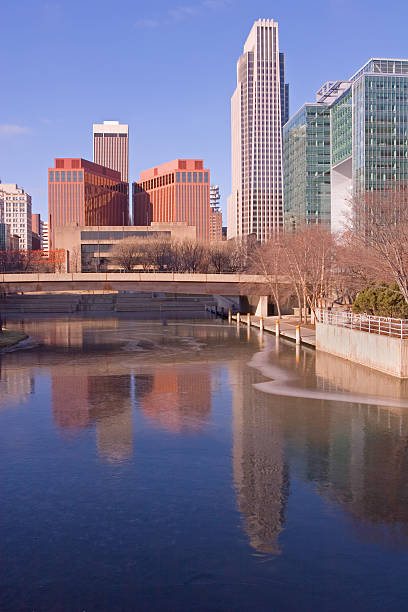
<point>306,163</point>
<point>368,140</point>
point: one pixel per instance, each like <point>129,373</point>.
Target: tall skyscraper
<point>85,193</point>
<point>174,192</point>
<point>259,107</point>
<point>17,212</point>
<point>111,147</point>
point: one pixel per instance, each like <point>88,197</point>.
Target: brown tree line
<point>164,255</point>
<point>313,268</point>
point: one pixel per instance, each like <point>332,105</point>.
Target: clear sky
<point>168,69</point>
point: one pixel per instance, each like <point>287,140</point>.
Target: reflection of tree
<point>179,398</point>
<point>260,474</point>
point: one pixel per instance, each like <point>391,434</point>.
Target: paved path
<point>287,328</point>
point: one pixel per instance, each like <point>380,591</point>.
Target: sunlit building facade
<point>368,143</point>
<point>111,147</point>
<point>259,107</point>
<point>16,207</point>
<point>85,193</point>
<point>178,191</point>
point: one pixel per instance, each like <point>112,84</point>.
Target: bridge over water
<point>166,282</point>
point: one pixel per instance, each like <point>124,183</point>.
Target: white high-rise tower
<point>259,107</point>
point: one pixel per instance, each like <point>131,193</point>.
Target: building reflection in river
<point>260,472</point>
<point>104,401</point>
<point>16,384</point>
<point>176,398</point>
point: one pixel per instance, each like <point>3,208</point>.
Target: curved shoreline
<point>16,339</point>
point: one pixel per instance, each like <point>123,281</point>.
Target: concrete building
<point>176,192</point>
<point>88,248</point>
<point>16,205</point>
<point>368,143</point>
<point>215,214</point>
<point>45,239</point>
<point>85,193</point>
<point>259,107</point>
<point>111,147</point>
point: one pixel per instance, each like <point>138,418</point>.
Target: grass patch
<point>10,337</point>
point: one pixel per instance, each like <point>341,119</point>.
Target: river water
<point>189,466</point>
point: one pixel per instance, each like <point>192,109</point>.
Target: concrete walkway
<point>287,328</point>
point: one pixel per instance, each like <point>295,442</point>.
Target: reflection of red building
<point>70,401</point>
<point>104,401</point>
<point>85,193</point>
<point>178,191</point>
<point>178,400</point>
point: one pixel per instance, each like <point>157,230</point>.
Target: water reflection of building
<point>260,472</point>
<point>177,398</point>
<point>104,401</point>
<point>16,384</point>
<point>357,454</point>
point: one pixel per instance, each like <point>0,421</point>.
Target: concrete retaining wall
<point>389,355</point>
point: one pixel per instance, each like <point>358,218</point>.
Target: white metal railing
<point>385,326</point>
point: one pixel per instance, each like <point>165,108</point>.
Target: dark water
<point>190,467</point>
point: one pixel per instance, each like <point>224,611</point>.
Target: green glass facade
<point>380,131</point>
<point>341,115</point>
<point>347,143</point>
<point>306,162</point>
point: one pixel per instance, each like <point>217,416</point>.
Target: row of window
<point>66,176</point>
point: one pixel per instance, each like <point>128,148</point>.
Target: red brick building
<point>82,192</point>
<point>173,192</point>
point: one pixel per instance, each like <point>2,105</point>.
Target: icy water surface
<point>193,467</point>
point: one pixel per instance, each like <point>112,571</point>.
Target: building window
<point>62,177</point>
<point>57,177</point>
<point>68,177</point>
<point>194,177</point>
<point>177,177</point>
<point>189,177</point>
<point>205,177</point>
<point>80,177</point>
<point>74,177</point>
<point>51,177</point>
<point>183,177</point>
<point>200,177</point>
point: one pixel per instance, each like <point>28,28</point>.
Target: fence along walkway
<point>384,326</point>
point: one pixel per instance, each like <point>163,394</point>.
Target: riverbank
<point>287,328</point>
<point>10,337</point>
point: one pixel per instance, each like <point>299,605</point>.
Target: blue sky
<point>168,69</point>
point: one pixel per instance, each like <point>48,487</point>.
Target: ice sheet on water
<point>283,382</point>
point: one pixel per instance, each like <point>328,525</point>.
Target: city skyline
<point>54,126</point>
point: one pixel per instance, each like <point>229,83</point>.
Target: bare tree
<point>309,263</point>
<point>192,255</point>
<point>267,260</point>
<point>380,227</point>
<point>127,253</point>
<point>219,256</point>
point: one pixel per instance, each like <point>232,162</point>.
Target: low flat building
<point>88,247</point>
